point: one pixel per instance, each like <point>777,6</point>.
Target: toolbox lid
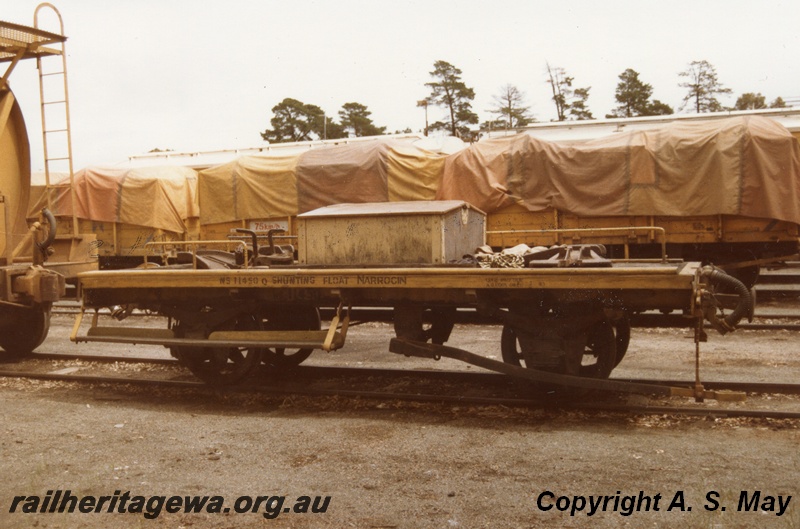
<point>425,207</point>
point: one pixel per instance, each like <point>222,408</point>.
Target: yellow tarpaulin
<point>748,166</point>
<point>253,187</point>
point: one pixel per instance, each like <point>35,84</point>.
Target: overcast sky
<point>201,74</point>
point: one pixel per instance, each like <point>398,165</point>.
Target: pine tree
<point>703,87</point>
<point>450,92</point>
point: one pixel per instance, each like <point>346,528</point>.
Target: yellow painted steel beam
<point>653,277</point>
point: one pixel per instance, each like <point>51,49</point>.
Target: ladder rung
<point>52,70</point>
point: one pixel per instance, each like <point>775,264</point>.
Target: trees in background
<point>296,121</point>
<point>578,108</point>
<point>509,106</point>
<point>633,98</point>
<point>751,101</point>
<point>355,118</point>
<point>568,101</point>
<point>451,93</point>
<point>778,102</point>
<point>703,87</point>
<point>561,86</point>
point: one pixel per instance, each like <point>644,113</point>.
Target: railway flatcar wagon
<point>564,309</point>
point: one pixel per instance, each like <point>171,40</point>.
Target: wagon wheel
<point>599,357</point>
<point>622,337</point>
<point>509,347</point>
<point>409,323</point>
<point>26,333</point>
<point>221,365</point>
<point>303,318</point>
<point>600,354</point>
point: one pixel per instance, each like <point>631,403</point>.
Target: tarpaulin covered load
<point>156,197</point>
<point>274,186</point>
<point>748,166</point>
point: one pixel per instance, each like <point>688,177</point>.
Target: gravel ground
<point>403,465</point>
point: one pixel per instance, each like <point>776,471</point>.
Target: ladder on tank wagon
<point>18,43</point>
<point>54,101</point>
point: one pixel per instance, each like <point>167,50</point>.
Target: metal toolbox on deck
<point>387,233</point>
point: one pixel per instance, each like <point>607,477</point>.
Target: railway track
<point>461,388</point>
<point>308,373</point>
<point>779,284</point>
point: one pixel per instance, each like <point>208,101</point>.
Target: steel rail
<point>312,372</point>
<point>98,358</point>
<point>416,397</point>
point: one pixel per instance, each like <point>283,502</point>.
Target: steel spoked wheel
<point>222,365</point>
<point>600,354</point>
<point>304,318</point>
<point>26,332</point>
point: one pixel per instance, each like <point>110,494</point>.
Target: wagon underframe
<point>553,319</point>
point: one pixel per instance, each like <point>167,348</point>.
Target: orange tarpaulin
<point>156,197</point>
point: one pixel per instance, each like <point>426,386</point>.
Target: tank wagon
<point>35,261</point>
<point>564,309</point>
